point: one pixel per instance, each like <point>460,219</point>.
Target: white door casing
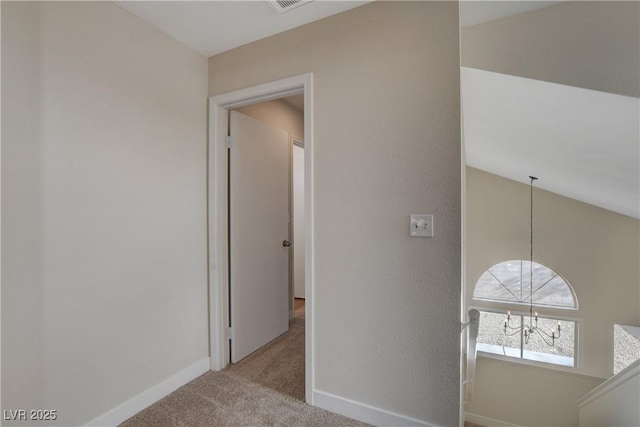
<point>259,209</point>
<point>219,106</point>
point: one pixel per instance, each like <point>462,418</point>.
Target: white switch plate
<point>421,226</point>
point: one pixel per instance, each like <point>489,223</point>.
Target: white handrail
<point>614,402</point>
<point>472,335</point>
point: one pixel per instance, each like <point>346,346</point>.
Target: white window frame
<point>521,310</point>
<point>520,303</point>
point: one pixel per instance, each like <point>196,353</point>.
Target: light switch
<point>421,226</point>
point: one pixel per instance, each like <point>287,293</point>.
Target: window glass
<point>626,346</point>
<point>492,339</point>
<point>491,336</point>
<point>490,288</point>
<point>510,281</point>
<point>555,293</point>
<point>562,351</point>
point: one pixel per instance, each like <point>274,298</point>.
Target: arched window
<point>509,284</point>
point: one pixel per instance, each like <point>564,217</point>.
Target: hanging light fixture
<point>531,328</point>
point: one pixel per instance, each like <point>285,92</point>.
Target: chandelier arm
<point>544,336</point>
<point>507,325</point>
<point>516,331</point>
<point>552,335</point>
<point>542,332</point>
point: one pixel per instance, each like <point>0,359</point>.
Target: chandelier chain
<point>532,327</point>
<point>533,178</point>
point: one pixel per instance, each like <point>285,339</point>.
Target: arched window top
<point>509,282</point>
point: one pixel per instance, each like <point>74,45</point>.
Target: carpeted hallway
<point>264,389</point>
<point>278,365</point>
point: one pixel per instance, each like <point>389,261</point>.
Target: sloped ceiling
<point>553,92</point>
<point>548,87</point>
<point>212,27</point>
<point>581,143</point>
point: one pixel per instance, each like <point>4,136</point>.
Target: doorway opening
<point>220,249</point>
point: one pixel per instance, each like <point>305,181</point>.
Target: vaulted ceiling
<point>554,92</point>
<point>212,27</point>
<point>549,88</point>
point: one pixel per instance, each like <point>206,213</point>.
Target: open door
<point>258,234</point>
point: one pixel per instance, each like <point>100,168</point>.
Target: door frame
<point>217,215</point>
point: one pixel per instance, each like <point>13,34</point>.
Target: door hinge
<point>229,333</point>
<point>228,141</point>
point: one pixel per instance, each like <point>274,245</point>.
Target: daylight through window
<point>508,283</point>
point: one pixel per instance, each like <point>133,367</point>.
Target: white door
<point>298,221</point>
<point>258,230</point>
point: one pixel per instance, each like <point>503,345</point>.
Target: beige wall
<point>526,395</point>
<point>386,144</point>
<point>595,250</point>
<point>588,44</point>
<point>615,402</point>
<point>104,281</point>
<point>277,114</point>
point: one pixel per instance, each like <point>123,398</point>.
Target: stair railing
<point>471,326</point>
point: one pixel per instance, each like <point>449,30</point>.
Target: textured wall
<point>104,271</point>
<point>386,145</point>
<point>589,44</point>
<point>600,262</point>
<point>595,250</point>
<point>615,403</point>
<point>548,399</point>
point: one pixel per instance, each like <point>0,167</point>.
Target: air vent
<point>282,6</point>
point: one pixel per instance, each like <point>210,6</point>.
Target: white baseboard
<point>137,403</point>
<point>361,412</point>
<point>486,421</point>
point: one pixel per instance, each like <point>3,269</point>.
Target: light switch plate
<point>421,226</point>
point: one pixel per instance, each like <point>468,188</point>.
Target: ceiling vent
<point>282,6</point>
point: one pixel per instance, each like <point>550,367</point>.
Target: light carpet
<point>264,389</point>
<point>226,399</point>
<point>278,365</point>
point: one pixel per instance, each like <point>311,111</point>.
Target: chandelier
<point>531,328</point>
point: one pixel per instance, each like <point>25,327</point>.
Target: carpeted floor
<point>264,389</point>
<point>225,399</point>
<point>278,365</point>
